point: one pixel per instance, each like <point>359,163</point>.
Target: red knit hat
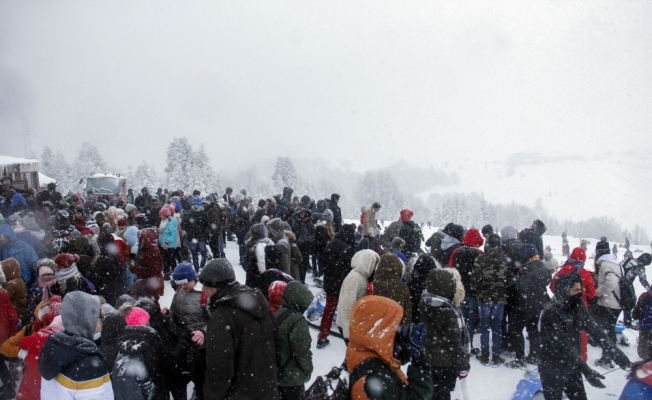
<point>578,254</point>
<point>406,215</point>
<point>122,221</point>
<point>137,317</point>
<point>66,260</point>
<point>164,212</point>
<point>473,238</point>
<point>275,294</point>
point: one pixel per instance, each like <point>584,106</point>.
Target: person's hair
<point>329,229</point>
<point>637,365</point>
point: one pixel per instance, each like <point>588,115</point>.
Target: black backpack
<point>339,388</point>
<point>627,298</point>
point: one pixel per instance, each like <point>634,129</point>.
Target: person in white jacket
<point>608,308</point>
<point>354,286</point>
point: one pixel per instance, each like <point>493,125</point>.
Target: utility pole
<point>27,139</point>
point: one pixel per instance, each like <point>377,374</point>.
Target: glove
<point>414,337</point>
<point>621,359</point>
<point>463,374</point>
<point>594,378</point>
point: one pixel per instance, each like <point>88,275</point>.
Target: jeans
<point>491,317</point>
<point>241,245</point>
<point>196,247</point>
<point>469,308</point>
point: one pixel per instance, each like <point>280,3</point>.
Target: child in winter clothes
<point>30,348</point>
<point>70,364</point>
<point>141,349</point>
<point>275,295</point>
<point>639,385</point>
<point>447,339</point>
<point>293,355</point>
<point>40,291</point>
<point>69,279</point>
<point>15,287</point>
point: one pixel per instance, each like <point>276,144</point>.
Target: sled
<point>530,387</point>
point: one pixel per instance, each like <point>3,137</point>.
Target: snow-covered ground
<point>485,383</point>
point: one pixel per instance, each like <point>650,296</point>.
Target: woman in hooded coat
<point>388,283</point>
<point>254,263</point>
<point>109,277</point>
<point>15,287</point>
<point>363,265</point>
<point>149,264</point>
<point>374,324</point>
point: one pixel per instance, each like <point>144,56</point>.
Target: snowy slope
<point>485,383</point>
<point>575,186</point>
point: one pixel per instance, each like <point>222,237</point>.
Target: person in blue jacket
<point>12,247</point>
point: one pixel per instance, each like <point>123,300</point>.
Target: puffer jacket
<point>609,277</point>
<point>73,367</point>
<point>169,233</point>
<point>463,259</point>
<point>187,310</point>
<point>388,283</point>
<point>372,318</point>
<point>447,339</point>
<point>19,250</point>
<point>15,287</point>
<point>354,286</point>
<point>140,347</point>
<point>293,355</point>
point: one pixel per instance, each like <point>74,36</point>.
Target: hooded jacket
<point>21,251</point>
<point>336,260</point>
<point>141,349</point>
<point>388,283</point>
<point>108,274</point>
<point>149,263</point>
<point>15,287</point>
<point>8,316</point>
<point>293,355</point>
<point>411,233</point>
<point>560,327</point>
<point>447,339</point>
<point>277,234</point>
<point>354,286</point>
<point>531,285</point>
<point>609,276</point>
<point>374,322</point>
<point>449,245</point>
<point>70,363</point>
<point>240,361</point>
<point>417,285</point>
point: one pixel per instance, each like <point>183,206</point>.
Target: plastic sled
<point>529,386</point>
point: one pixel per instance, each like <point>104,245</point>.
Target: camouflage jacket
<point>491,277</point>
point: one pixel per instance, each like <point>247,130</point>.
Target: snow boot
<point>321,343</point>
<point>475,350</point>
<point>496,360</point>
<point>515,364</point>
<point>530,359</point>
<point>483,358</point>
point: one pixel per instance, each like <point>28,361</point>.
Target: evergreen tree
<point>202,176</point>
<point>145,176</point>
<point>47,158</point>
<point>379,186</point>
<point>285,175</point>
<point>88,161</point>
<point>178,167</point>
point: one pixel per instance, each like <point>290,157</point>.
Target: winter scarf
<point>66,273</point>
<point>45,283</point>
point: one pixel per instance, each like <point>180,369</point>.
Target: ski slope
<point>484,382</point>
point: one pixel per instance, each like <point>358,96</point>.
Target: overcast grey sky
<point>368,82</point>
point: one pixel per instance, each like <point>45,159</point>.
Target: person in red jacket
<point>149,263</point>
<point>8,314</point>
<point>575,264</point>
<point>30,385</point>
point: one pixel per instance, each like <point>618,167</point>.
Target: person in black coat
<point>561,324</point>
<point>195,223</point>
<point>337,265</point>
<point>532,295</point>
<point>511,247</point>
<point>337,213</point>
<point>422,267</point>
<point>113,327</point>
<point>108,274</point>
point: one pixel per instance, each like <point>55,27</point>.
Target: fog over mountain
<point>522,100</point>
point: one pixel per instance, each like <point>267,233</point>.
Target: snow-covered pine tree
<point>202,176</point>
<point>178,166</point>
<point>47,158</point>
<point>285,175</point>
<point>88,161</point>
<point>145,176</point>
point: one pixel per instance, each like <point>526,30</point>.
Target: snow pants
<point>530,323</point>
<point>554,383</point>
<point>606,318</point>
<point>327,316</point>
<point>443,382</point>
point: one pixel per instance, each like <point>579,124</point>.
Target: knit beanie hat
<point>275,294</point>
<point>305,199</point>
<point>122,222</point>
<point>578,254</point>
<point>602,248</point>
<point>130,208</point>
<point>216,272</point>
<point>44,263</point>
<point>137,317</point>
<point>527,251</point>
<point>473,238</point>
<point>487,230</point>
<point>164,211</point>
<point>327,215</point>
<point>184,273</point>
<point>456,231</point>
<point>66,260</point>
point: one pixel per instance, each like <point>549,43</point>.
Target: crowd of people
<point>83,275</point>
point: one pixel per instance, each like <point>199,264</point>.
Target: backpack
<point>340,387</point>
<point>646,314</point>
<point>241,217</point>
<point>627,298</point>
